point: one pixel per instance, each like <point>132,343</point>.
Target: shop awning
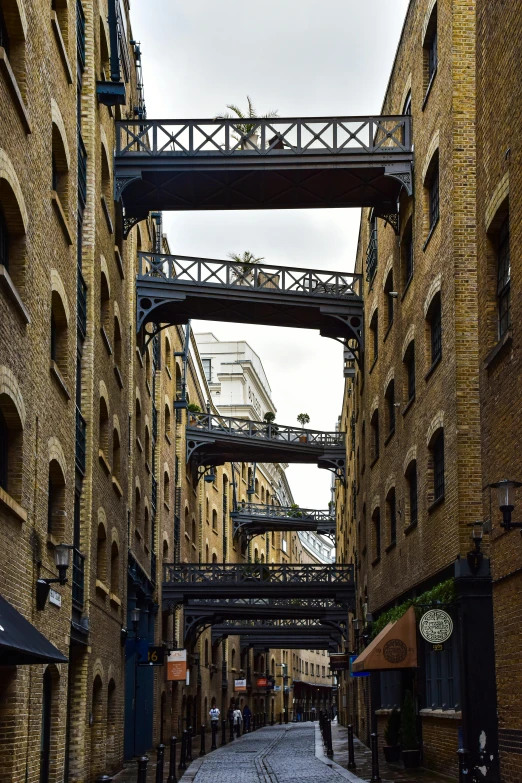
<point>21,643</point>
<point>394,648</point>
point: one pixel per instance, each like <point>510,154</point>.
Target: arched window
<point>390,408</point>
<point>138,418</point>
<point>60,168</point>
<point>376,522</point>
<point>374,337</point>
<point>12,39</point>
<point>58,334</point>
<point>116,459</point>
<point>148,452</point>
<point>374,445</point>
<point>391,512</point>
<point>388,290</point>
<point>214,520</point>
<point>11,448</point>
<point>411,497</point>
<point>436,464</point>
<point>407,254</point>
<point>214,558</point>
<point>434,319</point>
<point>146,531</point>
<point>167,420</point>
<point>166,488</point>
<point>56,513</point>
<point>432,196</point>
<point>257,487</point>
<point>503,278</point>
<point>233,658</point>
<point>101,554</point>
<point>194,533</point>
<point>115,566</point>
<point>117,342</point>
<point>409,366</point>
<point>206,554</point>
<point>168,356</point>
<point>105,305</point>
<point>97,729</point>
<point>431,56</point>
<point>137,510</point>
<point>104,428</point>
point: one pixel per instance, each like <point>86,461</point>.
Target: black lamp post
<point>475,557</point>
<point>506,501</point>
<point>43,586</point>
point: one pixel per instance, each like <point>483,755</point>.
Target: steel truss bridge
<point>255,519</point>
<point>213,440</point>
<point>174,289</point>
<point>280,163</point>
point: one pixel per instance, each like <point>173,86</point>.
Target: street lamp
<point>475,557</point>
<point>506,501</point>
<point>43,586</point>
<point>135,619</point>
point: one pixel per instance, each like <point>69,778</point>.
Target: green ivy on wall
<point>443,593</point>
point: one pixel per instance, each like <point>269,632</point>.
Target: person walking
<point>247,715</point>
<point>238,720</point>
<point>214,715</point>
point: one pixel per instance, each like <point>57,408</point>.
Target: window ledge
<point>433,367</point>
<point>137,533</point>
<point>389,436</point>
<point>147,384</point>
<point>11,504</point>
<point>430,234</point>
<point>496,352</point>
<point>373,365</point>
<point>140,357</point>
<point>119,261</point>
<point>106,340</point>
<point>55,372</point>
<point>102,587</point>
<point>117,373</point>
<point>436,503</point>
<point>167,438</point>
<point>57,204</point>
<point>406,287</point>
<point>428,90</point>
<point>187,536</point>
<point>114,599</point>
<point>374,461</point>
<point>408,405</point>
<point>388,330</point>
<point>5,66</point>
<point>13,294</point>
<point>61,47</point>
<point>147,467</point>
<point>376,561</point>
<point>107,214</point>
<point>166,505</point>
<point>117,487</point>
<point>448,714</point>
<point>390,547</point>
<point>139,444</point>
<point>168,372</point>
<point>104,463</point>
<point>410,528</point>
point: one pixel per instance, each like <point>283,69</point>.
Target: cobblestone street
<point>275,754</point>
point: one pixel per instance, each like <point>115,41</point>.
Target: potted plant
<point>249,136</point>
<point>408,733</point>
<point>303,418</point>
<point>392,749</point>
<point>193,408</point>
<point>269,418</point>
<point>245,265</point>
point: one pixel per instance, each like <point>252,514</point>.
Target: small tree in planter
<point>245,264</point>
<point>193,408</point>
<point>392,749</point>
<point>303,418</point>
<point>408,734</point>
<point>269,418</point>
<point>249,137</point>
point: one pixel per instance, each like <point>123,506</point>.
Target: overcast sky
<point>303,59</point>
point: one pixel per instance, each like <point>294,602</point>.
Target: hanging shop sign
<point>177,666</point>
<point>155,656</point>
<point>240,685</point>
<point>262,682</point>
<point>436,626</point>
<point>339,662</point>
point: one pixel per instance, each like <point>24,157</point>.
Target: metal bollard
<point>286,716</point>
<point>231,727</point>
<point>142,769</point>
<point>183,757</point>
<point>463,765</point>
<point>280,718</point>
<point>202,741</point>
<point>214,728</point>
<point>189,744</point>
<point>172,762</point>
<point>351,749</point>
<point>375,759</point>
<point>160,762</point>
<point>329,744</point>
<point>223,732</point>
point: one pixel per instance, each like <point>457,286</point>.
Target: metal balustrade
<point>261,430</point>
<point>257,518</point>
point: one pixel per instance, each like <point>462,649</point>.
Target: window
<point>61,9</point>
<point>56,513</point>
<point>105,304</point>
<point>376,519</point>
<point>58,333</point>
<point>390,406</point>
<point>374,329</point>
<point>59,167</point>
<point>392,516</point>
<point>411,478</point>
<point>433,194</point>
<point>442,676</point>
<point>214,520</point>
<point>167,420</point>
<point>116,459</point>
<point>406,111</point>
<point>435,324</point>
<point>372,251</point>
<point>4,35</point>
<point>431,56</point>
<point>4,452</point>
<point>437,449</point>
<point>104,427</point>
<point>407,254</point>
<point>101,554</point>
<point>503,279</point>
<point>4,235</point>
<point>166,488</point>
<point>117,342</point>
<point>374,445</point>
<point>115,575</point>
<point>207,369</point>
<point>388,290</point>
<point>409,365</point>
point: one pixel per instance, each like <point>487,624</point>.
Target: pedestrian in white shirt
<point>238,720</point>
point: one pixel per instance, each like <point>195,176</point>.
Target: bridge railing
<point>388,134</point>
<point>261,573</point>
<point>261,430</point>
<point>230,274</point>
<point>282,512</point>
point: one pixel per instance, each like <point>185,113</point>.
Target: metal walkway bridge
<point>254,519</point>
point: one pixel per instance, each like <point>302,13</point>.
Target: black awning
<point>21,643</point>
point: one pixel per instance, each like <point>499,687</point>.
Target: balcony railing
<point>283,512</point>
<point>78,573</point>
<point>262,573</point>
<point>386,135</point>
<point>229,274</point>
<point>371,257</point>
<point>81,312</point>
<point>81,441</point>
<point>261,430</point>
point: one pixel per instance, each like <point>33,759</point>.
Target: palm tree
<point>303,418</point>
<point>245,262</point>
<point>246,129</point>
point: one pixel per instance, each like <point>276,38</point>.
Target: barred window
<point>504,279</point>
<point>438,466</point>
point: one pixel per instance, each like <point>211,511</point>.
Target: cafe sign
<point>436,626</point>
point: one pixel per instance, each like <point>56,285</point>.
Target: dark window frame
<point>409,361</point>
<point>432,49</point>
<point>435,320</point>
<point>392,506</point>
<point>413,495</point>
<point>434,195</point>
<point>375,435</point>
<point>4,35</point>
<point>504,279</point>
<point>437,450</point>
<point>390,403</point>
<point>442,676</point>
<point>376,519</point>
<point>374,329</point>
